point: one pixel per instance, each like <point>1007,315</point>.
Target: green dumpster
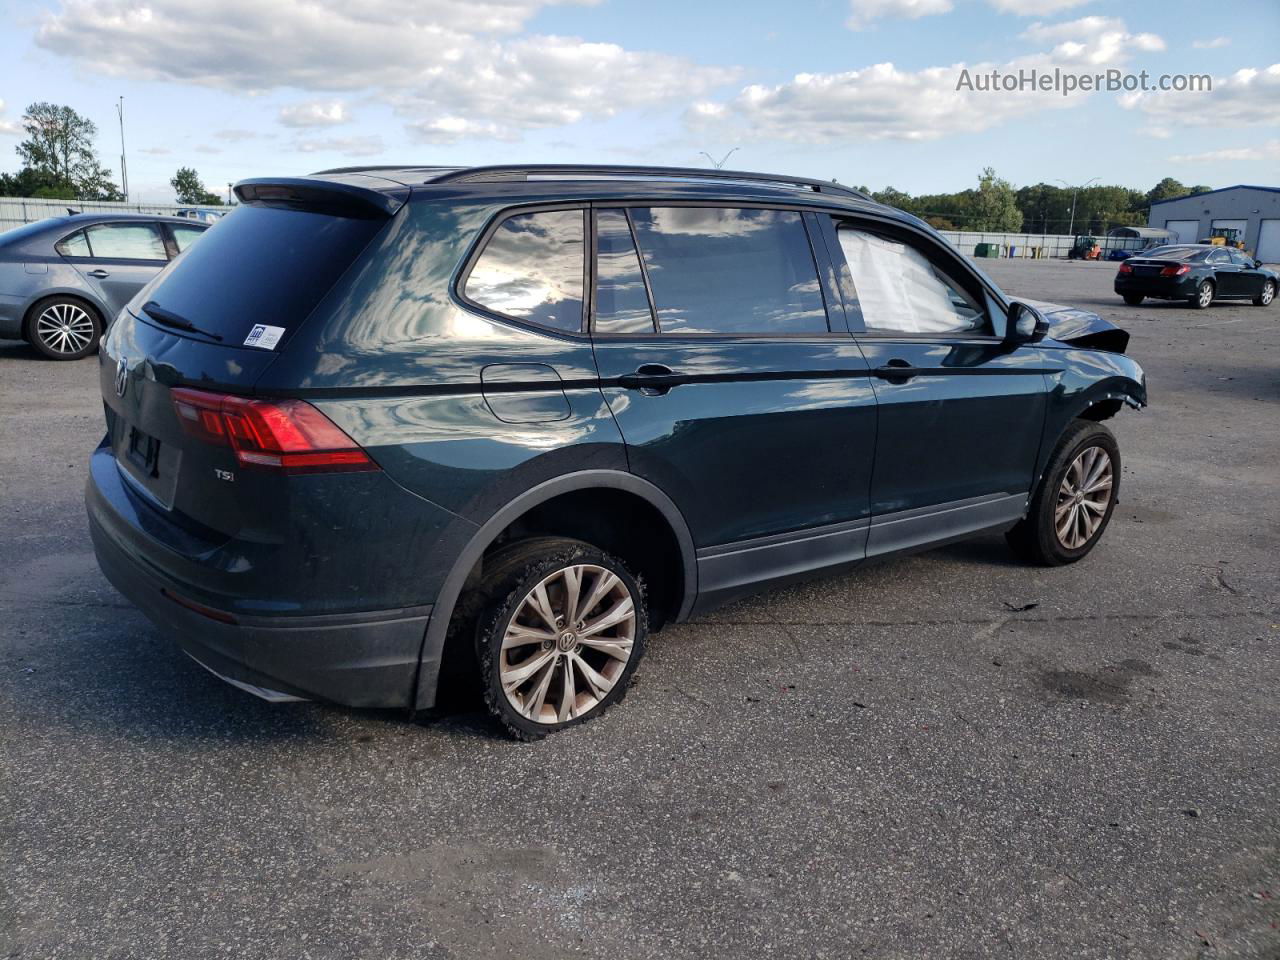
<point>987,250</point>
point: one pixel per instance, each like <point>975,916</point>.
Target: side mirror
<point>1257,264</point>
<point>1026,324</point>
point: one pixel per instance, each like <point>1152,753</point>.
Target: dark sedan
<point>63,280</point>
<point>1196,273</point>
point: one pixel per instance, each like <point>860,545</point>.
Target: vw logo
<point>122,375</point>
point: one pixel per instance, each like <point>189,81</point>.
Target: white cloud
<point>8,127</point>
<point>882,102</point>
<point>1249,97</point>
<point>1213,44</point>
<point>235,136</point>
<point>863,12</point>
<point>208,148</point>
<point>347,146</point>
<point>1035,8</point>
<point>433,60</point>
<point>1266,151</point>
<point>315,113</point>
<point>156,151</point>
<point>1104,39</point>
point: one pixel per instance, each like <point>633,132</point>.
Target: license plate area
<point>150,464</point>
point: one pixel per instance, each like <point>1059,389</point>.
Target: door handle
<point>896,371</point>
<point>99,274</point>
<point>651,379</point>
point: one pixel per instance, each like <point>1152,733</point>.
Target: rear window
<point>1177,253</point>
<point>261,265</point>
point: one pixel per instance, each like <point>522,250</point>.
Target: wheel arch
<point>525,505</point>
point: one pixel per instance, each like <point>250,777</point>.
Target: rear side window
<point>73,246</point>
<point>622,301</point>
<point>126,241</point>
<point>263,265</point>
<point>184,236</point>
<point>901,291</point>
<point>730,270</point>
<point>532,268</point>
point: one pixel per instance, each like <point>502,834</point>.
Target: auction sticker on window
<point>264,336</point>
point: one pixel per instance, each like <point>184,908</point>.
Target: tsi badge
<point>122,375</point>
<point>226,475</point>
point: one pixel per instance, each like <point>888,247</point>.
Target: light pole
<point>124,168</point>
<point>228,194</point>
<point>722,160</point>
<point>1071,229</point>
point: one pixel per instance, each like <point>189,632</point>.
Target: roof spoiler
<point>332,196</point>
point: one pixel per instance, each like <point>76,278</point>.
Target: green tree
<point>187,185</point>
<point>59,151</point>
<point>1166,189</point>
<point>994,205</point>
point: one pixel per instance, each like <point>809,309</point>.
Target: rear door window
<point>622,298</point>
<point>533,268</point>
<point>726,270</point>
<point>73,246</point>
<point>184,236</point>
<point>263,265</point>
<point>125,241</point>
<point>901,290</point>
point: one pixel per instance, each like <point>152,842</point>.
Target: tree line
<point>995,206</point>
<point>60,162</point>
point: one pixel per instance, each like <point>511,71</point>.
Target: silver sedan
<point>62,280</point>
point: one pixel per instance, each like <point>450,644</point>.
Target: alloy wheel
<point>568,643</point>
<point>1083,497</point>
<point>1206,294</point>
<point>1268,292</point>
<point>65,328</point>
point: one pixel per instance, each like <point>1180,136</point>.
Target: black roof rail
<point>525,171</point>
<point>366,168</point>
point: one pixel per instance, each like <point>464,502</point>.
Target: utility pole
<point>228,194</point>
<point>1071,230</point>
<point>124,169</point>
<point>718,164</point>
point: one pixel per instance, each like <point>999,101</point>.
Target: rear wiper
<point>171,319</point>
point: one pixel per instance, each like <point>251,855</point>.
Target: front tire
<point>559,636</point>
<point>1203,296</point>
<point>1133,299</point>
<point>1267,295</point>
<point>64,328</point>
<point>1075,499</point>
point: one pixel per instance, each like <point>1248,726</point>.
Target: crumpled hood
<point>1081,328</point>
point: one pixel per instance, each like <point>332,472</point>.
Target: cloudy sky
<point>860,90</point>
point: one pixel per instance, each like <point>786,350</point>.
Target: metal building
<point>1253,210</point>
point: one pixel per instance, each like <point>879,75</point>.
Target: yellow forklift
<point>1226,237</point>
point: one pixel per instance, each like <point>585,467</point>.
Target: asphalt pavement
<point>947,755</point>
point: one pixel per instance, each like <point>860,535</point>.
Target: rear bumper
<point>367,659</point>
<point>1165,288</point>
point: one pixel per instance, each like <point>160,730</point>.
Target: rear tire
<point>1133,299</point>
<point>1075,500</point>
<point>561,631</point>
<point>1203,296</point>
<point>63,328</point>
<point>1268,294</point>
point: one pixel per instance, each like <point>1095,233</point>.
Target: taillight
<point>287,435</point>
<point>1172,271</point>
<point>1125,268</point>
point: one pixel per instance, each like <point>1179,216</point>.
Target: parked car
<point>384,431</point>
<point>1197,273</point>
<point>63,280</point>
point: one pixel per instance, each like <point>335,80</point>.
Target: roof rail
<point>366,168</point>
<point>526,171</point>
